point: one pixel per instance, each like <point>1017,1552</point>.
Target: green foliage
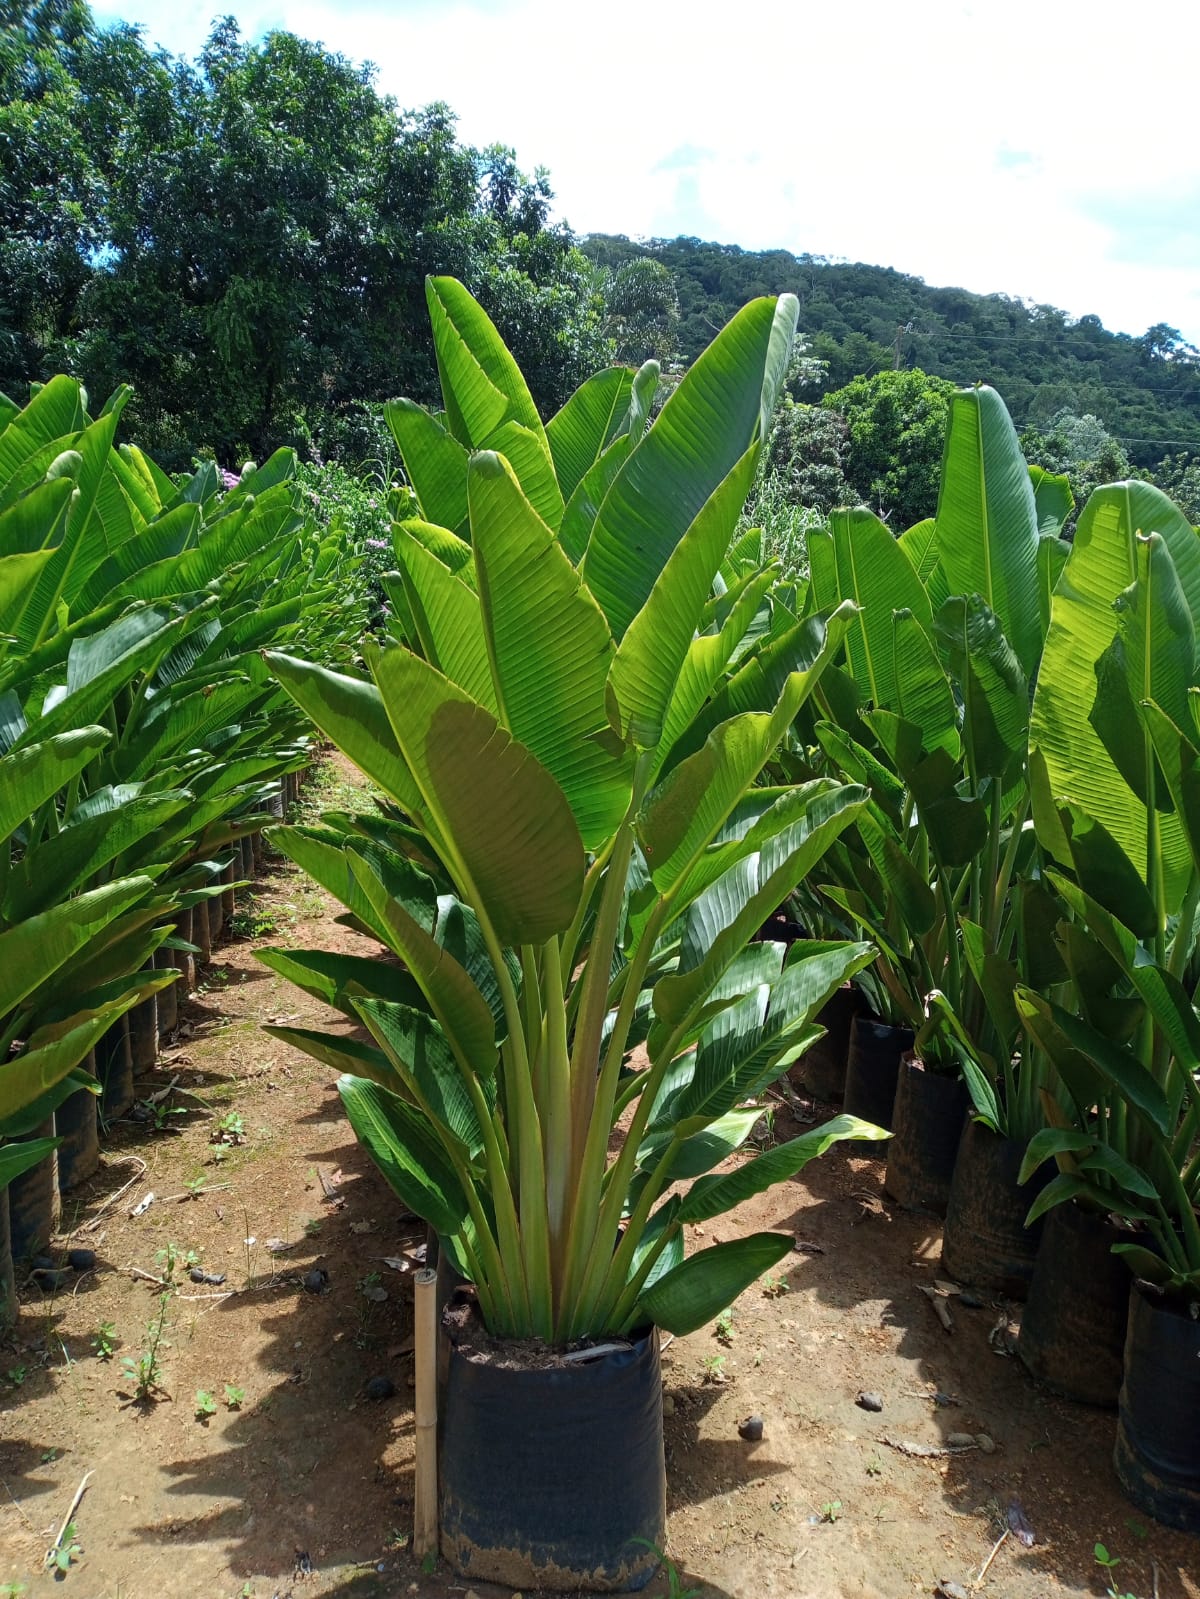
<point>205,229</point>
<point>861,319</point>
<point>574,856</point>
<point>896,423</point>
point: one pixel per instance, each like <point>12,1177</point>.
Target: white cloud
<point>994,148</point>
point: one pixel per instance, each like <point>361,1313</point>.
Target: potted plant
<point>931,714</point>
<point>570,865</point>
<point>1121,759</point>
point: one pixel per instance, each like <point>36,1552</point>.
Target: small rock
<point>213,1278</point>
<point>43,1263</point>
<point>950,1590</point>
<point>52,1276</point>
<point>81,1259</point>
<point>960,1440</point>
<point>668,1405</point>
<point>987,1444</point>
<point>868,1401</point>
<point>751,1429</point>
<point>380,1388</point>
<point>316,1281</point>
<point>970,1300</point>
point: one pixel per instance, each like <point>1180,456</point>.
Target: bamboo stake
<point>66,1521</point>
<point>425,1496</point>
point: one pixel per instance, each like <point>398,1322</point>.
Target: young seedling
<point>15,1375</point>
<point>675,1588</point>
<point>775,1287</point>
<point>102,1340</point>
<point>231,1129</point>
<point>60,1556</point>
<point>724,1329</point>
<point>144,1370</point>
<point>831,1510</point>
<point>206,1405</point>
<point>1108,1564</point>
<point>234,1396</point>
<point>714,1369</point>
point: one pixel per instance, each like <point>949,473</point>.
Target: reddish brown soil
<point>305,1489</point>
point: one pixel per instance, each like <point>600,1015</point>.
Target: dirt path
<point>298,1484</point>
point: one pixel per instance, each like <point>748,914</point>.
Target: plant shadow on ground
<point>1053,1456</point>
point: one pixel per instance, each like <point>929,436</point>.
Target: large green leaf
<point>698,1290</point>
<point>646,668</point>
<point>337,979</point>
<point>720,408</point>
<point>1063,735</point>
<point>579,434</point>
<point>29,777</point>
<point>550,651</point>
<point>32,950</point>
<point>448,619</point>
<point>993,686</point>
<point>435,461</point>
<point>482,386</point>
<point>408,1149</point>
<point>1053,501</point>
<point>715,1195</point>
<point>417,1047</point>
<point>987,526</point>
<point>868,567</point>
<point>509,836</point>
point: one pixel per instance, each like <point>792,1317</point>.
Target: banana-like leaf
<point>587,424</point>
<point>33,949</point>
<point>987,525</point>
<point>923,693</point>
<point>1120,1067</point>
<point>550,651</point>
<point>448,619</point>
<point>23,1156</point>
<point>1063,735</point>
<point>704,1284</point>
<point>482,386</point>
<point>509,829</point>
<point>719,409</point>
<point>647,665</point>
<point>417,1047</point>
<point>1053,501</point>
<point>338,980</point>
<point>408,1149</point>
<point>714,1196</point>
<point>993,685</point>
<point>435,461</point>
<point>31,776</point>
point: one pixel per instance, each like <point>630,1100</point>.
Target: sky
<point>1036,148</point>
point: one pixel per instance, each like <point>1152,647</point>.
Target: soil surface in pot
<point>305,1488</point>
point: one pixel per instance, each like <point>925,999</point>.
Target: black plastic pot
<point>246,859</point>
<point>873,1069</point>
<point>927,1124</point>
<point>215,906</point>
<point>1073,1327</point>
<point>143,1033</point>
<point>167,999</point>
<point>34,1204</point>
<point>1158,1427</point>
<point>550,1477</point>
<point>114,1068</point>
<point>229,897</point>
<point>8,1281</point>
<point>257,849</point>
<point>822,1069</point>
<point>77,1124</point>
<point>202,932</point>
<point>277,802</point>
<point>985,1241</point>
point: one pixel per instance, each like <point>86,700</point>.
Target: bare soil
<point>296,1483</point>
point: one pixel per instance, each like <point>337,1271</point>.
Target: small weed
<point>162,1113</point>
<point>429,1564</point>
<point>16,1375</point>
<point>1108,1564</point>
<point>714,1368</point>
<point>874,1466</point>
<point>831,1510</point>
<point>66,1550</point>
<point>312,1227</point>
<point>675,1588</point>
<point>234,1396</point>
<point>144,1370</point>
<point>724,1327</point>
<point>775,1287</point>
<point>195,1186</point>
<point>206,1405</point>
<point>174,1258</point>
<point>256,920</point>
<point>49,1455</point>
<point>103,1340</point>
<point>1139,1531</point>
<point>12,1590</point>
<point>231,1129</point>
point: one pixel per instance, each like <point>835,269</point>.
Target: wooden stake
<point>66,1521</point>
<point>425,1496</point>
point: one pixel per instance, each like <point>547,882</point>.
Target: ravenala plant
<point>574,857</point>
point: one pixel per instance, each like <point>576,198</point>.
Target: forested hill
<point>863,319</point>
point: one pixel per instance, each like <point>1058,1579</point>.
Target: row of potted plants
<point>141,738</point>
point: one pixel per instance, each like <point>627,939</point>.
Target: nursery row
<point>142,740</point>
